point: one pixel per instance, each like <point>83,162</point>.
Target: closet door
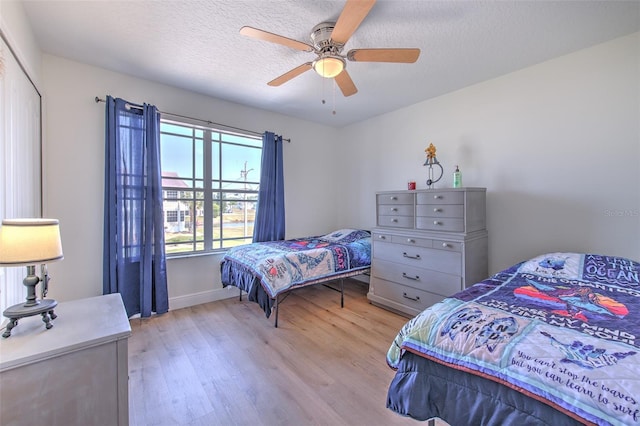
<point>20,159</point>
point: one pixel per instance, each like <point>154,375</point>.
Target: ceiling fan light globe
<point>329,66</point>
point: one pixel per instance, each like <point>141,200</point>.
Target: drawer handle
<point>382,237</point>
<point>435,222</point>
<point>411,240</point>
<point>394,198</point>
<point>445,245</point>
<point>417,256</point>
<point>437,197</point>
<point>394,220</point>
<point>393,209</point>
<point>415,299</point>
<point>437,210</point>
<point>416,278</point>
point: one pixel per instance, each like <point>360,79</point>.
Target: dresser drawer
<point>395,209</point>
<point>395,198</point>
<point>408,296</point>
<point>412,241</point>
<point>395,221</point>
<point>449,262</point>
<point>440,197</point>
<point>442,224</point>
<point>422,279</point>
<point>440,210</point>
<point>447,245</point>
<point>380,236</point>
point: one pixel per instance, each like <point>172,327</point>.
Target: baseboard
<point>187,300</point>
<point>362,277</point>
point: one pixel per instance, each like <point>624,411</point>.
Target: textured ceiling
<point>196,45</point>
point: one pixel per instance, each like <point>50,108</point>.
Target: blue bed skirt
<point>423,389</point>
<point>237,275</point>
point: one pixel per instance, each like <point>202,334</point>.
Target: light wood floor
<point>224,363</point>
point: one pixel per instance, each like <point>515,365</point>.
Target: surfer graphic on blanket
<point>587,356</point>
<point>578,302</point>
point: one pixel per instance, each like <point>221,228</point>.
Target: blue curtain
<point>269,223</point>
<point>134,259</point>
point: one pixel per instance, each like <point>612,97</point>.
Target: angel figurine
<point>431,151</point>
<point>431,161</point>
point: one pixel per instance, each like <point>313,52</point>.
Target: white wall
<point>16,29</point>
<point>74,179</point>
<point>557,146</point>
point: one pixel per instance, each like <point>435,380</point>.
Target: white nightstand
<point>75,373</point>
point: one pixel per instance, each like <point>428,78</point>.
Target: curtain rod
<point>97,99</point>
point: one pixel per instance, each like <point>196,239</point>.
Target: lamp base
<point>44,307</point>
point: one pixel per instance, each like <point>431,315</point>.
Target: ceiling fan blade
<point>275,38</point>
<point>346,84</point>
<point>384,55</point>
<point>290,74</point>
<point>350,18</point>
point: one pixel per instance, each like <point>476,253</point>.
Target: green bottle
<point>457,178</point>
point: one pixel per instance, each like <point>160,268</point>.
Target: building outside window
<point>210,182</point>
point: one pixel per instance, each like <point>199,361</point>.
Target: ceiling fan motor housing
<point>329,62</point>
<point>321,38</point>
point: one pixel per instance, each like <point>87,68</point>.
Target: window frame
<point>210,188</point>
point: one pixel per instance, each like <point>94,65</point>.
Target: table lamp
<point>29,242</point>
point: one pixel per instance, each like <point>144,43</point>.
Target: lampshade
<point>25,242</point>
<point>329,66</point>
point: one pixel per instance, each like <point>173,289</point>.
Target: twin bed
<point>268,271</point>
<point>553,340</point>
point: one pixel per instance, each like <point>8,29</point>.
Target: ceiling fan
<point>327,41</point>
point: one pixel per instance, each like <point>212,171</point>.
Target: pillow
<point>556,265</point>
<point>345,235</point>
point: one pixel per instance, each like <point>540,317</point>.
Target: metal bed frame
<point>280,297</point>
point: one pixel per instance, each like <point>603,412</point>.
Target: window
<point>172,216</point>
<point>210,182</point>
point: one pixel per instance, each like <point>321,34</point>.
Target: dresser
<point>427,245</point>
<point>75,373</point>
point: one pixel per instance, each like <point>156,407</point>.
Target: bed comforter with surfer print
<point>562,328</point>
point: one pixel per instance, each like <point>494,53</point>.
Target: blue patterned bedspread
<point>562,328</point>
<point>280,265</point>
